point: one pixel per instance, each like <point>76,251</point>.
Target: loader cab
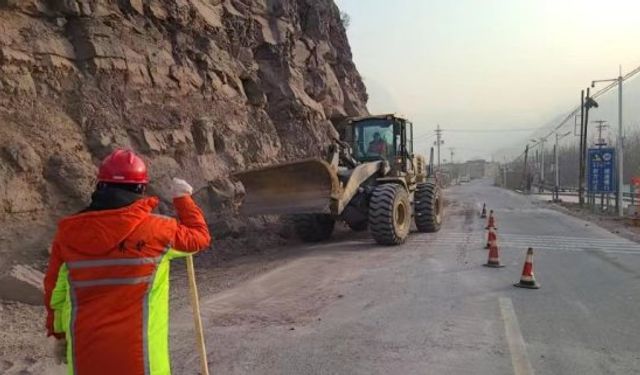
<point>385,137</point>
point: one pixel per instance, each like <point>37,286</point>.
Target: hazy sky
<point>487,64</point>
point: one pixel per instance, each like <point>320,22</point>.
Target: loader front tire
<point>389,214</point>
<point>313,227</point>
<point>428,208</point>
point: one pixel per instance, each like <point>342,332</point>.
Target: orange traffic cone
<point>494,256</point>
<point>484,211</point>
<point>491,223</point>
<point>528,280</point>
<point>491,238</point>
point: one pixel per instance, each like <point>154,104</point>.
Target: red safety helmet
<point>124,167</point>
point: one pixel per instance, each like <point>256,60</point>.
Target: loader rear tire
<point>389,214</point>
<point>428,208</point>
<point>313,227</point>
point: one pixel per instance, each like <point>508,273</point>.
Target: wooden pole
<point>197,319</point>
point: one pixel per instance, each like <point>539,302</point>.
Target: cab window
<point>374,140</point>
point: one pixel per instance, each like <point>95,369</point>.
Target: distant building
<point>491,169</point>
<point>476,168</point>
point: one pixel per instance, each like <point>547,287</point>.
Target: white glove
<point>180,188</point>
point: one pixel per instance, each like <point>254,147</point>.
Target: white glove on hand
<point>180,188</point>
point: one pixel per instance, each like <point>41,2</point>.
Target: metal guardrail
<point>628,197</point>
<point>634,197</point>
<point>631,200</point>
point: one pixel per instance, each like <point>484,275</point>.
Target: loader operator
<point>107,284</point>
<point>378,146</point>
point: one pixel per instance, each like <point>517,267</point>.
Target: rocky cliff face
<point>199,87</point>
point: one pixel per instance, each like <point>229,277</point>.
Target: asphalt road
<point>429,307</point>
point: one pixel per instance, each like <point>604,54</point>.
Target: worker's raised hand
<point>180,188</point>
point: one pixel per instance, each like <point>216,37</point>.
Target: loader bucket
<point>306,186</point>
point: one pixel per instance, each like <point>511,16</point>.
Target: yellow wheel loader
<point>371,180</point>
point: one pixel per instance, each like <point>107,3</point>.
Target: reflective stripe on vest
<point>112,262</point>
<point>119,281</point>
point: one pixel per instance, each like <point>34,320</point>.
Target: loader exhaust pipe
<point>430,174</point>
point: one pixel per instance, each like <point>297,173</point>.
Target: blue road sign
<point>602,170</point>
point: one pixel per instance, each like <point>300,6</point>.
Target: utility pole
<point>620,149</point>
<point>555,152</point>
<point>431,168</point>
<point>542,140</point>
<point>504,173</point>
<point>584,139</point>
<point>536,163</point>
<point>525,179</point>
<point>588,103</point>
<point>438,142</point>
<point>581,172</point>
<point>451,151</point>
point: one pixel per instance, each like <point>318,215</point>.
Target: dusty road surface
<point>429,307</point>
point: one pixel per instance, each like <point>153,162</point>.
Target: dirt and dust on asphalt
<point>290,283</point>
<point>348,306</point>
<point>329,310</point>
<point>25,350</point>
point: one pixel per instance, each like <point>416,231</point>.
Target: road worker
<point>107,283</point>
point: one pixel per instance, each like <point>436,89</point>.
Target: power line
<point>596,95</point>
<point>423,137</point>
<point>490,130</point>
<point>576,110</point>
<point>454,130</point>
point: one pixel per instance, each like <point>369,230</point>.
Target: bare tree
<point>345,18</point>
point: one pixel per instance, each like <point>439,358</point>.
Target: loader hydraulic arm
<point>340,154</point>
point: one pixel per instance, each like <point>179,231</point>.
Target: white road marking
<point>542,237</point>
<point>545,243</point>
<point>510,241</point>
<point>517,347</point>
